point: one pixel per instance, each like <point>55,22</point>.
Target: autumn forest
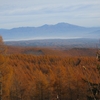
<point>48,74</point>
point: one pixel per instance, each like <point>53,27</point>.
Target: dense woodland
<point>48,76</point>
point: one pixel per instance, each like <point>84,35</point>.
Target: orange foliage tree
<point>6,71</point>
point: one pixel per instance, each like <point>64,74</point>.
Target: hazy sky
<point>18,13</point>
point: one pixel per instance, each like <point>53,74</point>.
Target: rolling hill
<point>57,43</point>
<point>52,51</point>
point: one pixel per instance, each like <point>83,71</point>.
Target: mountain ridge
<point>59,30</point>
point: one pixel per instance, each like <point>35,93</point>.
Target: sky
<point>34,13</point>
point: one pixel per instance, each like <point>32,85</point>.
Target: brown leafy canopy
<point>49,77</point>
<point>1,40</point>
<point>2,49</point>
<point>46,77</point>
<point>2,46</point>
<point>6,71</point>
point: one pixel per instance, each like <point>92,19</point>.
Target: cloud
<point>59,7</point>
<point>44,11</point>
<point>47,9</point>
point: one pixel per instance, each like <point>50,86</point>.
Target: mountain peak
<point>62,23</point>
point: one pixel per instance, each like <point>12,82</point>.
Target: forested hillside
<point>48,74</point>
<point>49,77</point>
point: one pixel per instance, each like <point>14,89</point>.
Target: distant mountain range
<point>58,31</point>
